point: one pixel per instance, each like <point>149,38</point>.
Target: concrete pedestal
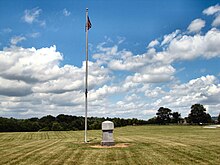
<point>107,133</point>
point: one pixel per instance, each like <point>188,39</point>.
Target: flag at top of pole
<point>89,25</point>
<point>88,22</point>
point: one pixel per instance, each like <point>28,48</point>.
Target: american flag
<point>89,25</point>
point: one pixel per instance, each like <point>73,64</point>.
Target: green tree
<point>46,121</point>
<point>198,114</point>
<point>152,120</point>
<point>56,127</point>
<point>176,117</point>
<point>61,122</point>
<point>35,126</point>
<point>163,115</point>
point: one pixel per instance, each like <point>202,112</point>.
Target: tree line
<point>63,122</point>
<point>60,123</point>
<point>197,115</point>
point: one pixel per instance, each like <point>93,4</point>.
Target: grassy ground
<point>147,145</point>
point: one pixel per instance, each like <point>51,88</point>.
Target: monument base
<point>107,143</point>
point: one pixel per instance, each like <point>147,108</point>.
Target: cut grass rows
<point>147,145</point>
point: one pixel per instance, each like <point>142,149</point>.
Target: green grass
<point>147,145</point>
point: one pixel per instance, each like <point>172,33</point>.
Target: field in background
<point>146,145</point>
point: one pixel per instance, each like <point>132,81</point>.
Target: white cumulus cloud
<point>153,43</point>
<point>216,21</point>
<point>168,38</point>
<point>196,25</point>
<point>14,88</point>
<point>39,85</point>
<point>190,47</point>
<point>212,10</point>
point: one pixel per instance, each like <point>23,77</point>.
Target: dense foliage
<point>165,116</point>
<point>60,123</point>
<point>198,115</point>
<point>63,122</point>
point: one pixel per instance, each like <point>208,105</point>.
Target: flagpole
<point>86,82</point>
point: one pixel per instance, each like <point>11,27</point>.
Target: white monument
<point>107,133</point>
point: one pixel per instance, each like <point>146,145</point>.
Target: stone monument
<point>107,133</point>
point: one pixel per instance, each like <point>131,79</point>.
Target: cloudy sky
<point>142,55</point>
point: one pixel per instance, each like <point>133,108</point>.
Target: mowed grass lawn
<point>146,145</point>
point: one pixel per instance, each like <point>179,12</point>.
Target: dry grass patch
<point>118,145</point>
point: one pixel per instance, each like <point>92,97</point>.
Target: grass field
<point>146,145</point>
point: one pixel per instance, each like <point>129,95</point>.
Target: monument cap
<point>107,125</point>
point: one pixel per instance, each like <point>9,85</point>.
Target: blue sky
<point>143,55</point>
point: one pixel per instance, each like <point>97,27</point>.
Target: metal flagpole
<point>86,83</point>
